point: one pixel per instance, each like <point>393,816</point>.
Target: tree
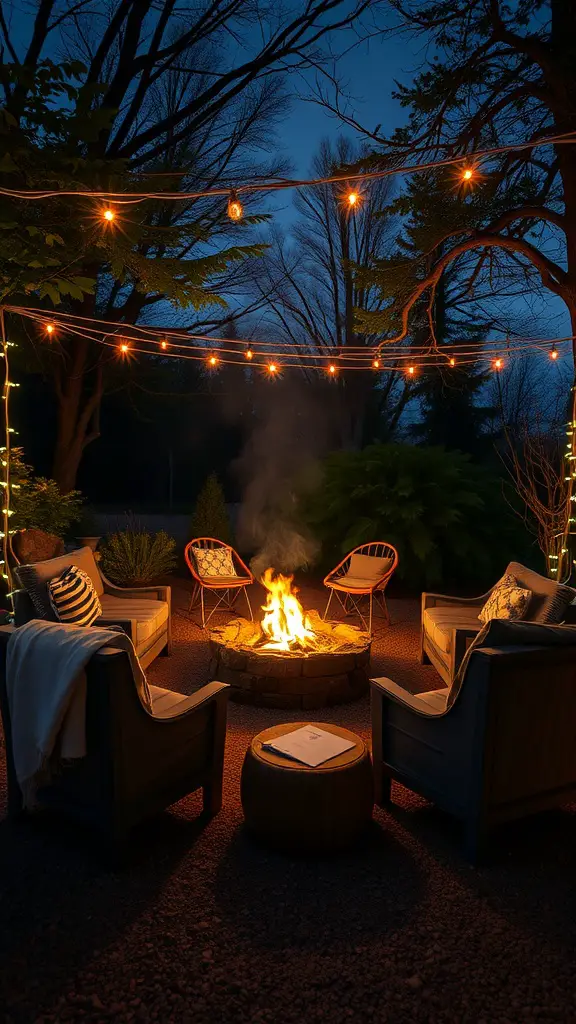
<point>498,75</point>
<point>210,517</point>
<point>166,94</point>
<point>312,287</point>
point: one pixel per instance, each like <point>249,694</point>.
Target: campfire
<point>291,658</point>
<point>286,629</point>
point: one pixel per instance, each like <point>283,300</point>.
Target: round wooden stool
<point>307,810</point>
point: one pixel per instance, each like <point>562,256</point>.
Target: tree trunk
<point>79,388</point>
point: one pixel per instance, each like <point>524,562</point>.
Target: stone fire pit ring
<point>293,679</point>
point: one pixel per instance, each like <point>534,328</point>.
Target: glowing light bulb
<point>235,209</point>
<point>109,215</point>
<point>164,345</point>
<point>498,364</point>
<point>124,348</point>
<point>272,367</point>
<point>49,329</point>
<point>452,361</point>
<point>411,370</point>
<point>332,369</point>
<point>554,353</point>
<point>249,354</point>
<point>375,363</point>
<point>352,198</point>
<point>467,174</point>
<point>213,361</point>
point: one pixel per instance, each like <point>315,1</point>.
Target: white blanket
<point>46,688</point>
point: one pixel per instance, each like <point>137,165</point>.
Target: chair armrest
<point>128,625</point>
<point>159,592</point>
<point>439,600</point>
<point>217,692</point>
<point>384,687</point>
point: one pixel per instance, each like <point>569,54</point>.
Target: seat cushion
<point>150,615</point>
<point>439,622</point>
<point>549,600</point>
<point>225,581</point>
<point>164,701</point>
<point>34,578</point>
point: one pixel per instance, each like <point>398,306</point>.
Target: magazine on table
<point>309,745</point>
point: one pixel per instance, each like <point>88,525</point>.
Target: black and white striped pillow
<point>73,597</point>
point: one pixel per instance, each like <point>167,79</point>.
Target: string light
<point>235,209</point>
<point>353,199</point>
<point>272,368</point>
<point>497,363</point>
<point>554,353</point>
<point>164,345</point>
<point>452,361</point>
<point>124,348</point>
<point>109,215</point>
<point>332,369</point>
<point>411,371</point>
<point>467,174</point>
<point>249,354</point>
<point>213,361</point>
<point>376,363</point>
<point>50,329</point>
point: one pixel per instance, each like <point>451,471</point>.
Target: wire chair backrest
<point>374,549</point>
<point>211,544</point>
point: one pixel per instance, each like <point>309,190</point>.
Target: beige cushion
<point>213,562</point>
<point>439,623</point>
<point>549,599</point>
<point>506,601</point>
<point>34,578</point>
<point>225,581</point>
<point>150,615</point>
<point>368,567</point>
<point>165,701</point>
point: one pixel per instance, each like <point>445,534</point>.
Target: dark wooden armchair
<point>138,762</point>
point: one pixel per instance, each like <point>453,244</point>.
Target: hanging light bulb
<point>124,348</point>
<point>164,344</point>
<point>467,174</point>
<point>452,361</point>
<point>332,370</point>
<point>272,368</point>
<point>213,361</point>
<point>554,353</point>
<point>249,354</point>
<point>411,371</point>
<point>50,329</point>
<point>235,209</point>
<point>498,363</point>
<point>376,363</point>
<point>352,198</point>
<point>109,215</point>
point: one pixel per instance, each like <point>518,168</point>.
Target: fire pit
<point>291,659</point>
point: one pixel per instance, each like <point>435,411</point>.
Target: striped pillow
<point>73,597</point>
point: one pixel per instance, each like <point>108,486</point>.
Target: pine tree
<point>210,517</point>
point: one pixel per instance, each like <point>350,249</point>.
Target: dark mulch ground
<point>206,927</point>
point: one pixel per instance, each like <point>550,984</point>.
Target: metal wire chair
<point>225,588</point>
<point>355,586</point>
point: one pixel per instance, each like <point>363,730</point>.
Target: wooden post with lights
<point>5,459</point>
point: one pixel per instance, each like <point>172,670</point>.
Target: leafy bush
<point>38,502</point>
<point>210,518</point>
<point>445,515</point>
<point>135,557</point>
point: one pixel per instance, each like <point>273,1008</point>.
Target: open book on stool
<point>309,745</point>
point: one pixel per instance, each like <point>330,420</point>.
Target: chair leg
<point>248,603</point>
<point>370,616</point>
<point>328,604</point>
<point>202,606</point>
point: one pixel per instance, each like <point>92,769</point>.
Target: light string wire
<point>6,480</point>
<point>408,359</point>
<point>133,198</point>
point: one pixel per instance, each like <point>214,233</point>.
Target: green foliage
<point>446,516</point>
<point>210,518</point>
<point>135,557</point>
<point>38,503</point>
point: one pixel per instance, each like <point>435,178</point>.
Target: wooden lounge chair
<point>217,568</point>
<point>365,572</point>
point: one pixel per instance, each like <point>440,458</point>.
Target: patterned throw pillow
<point>507,600</point>
<point>214,562</point>
<point>73,597</point>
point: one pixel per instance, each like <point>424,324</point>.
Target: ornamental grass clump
<point>134,557</point>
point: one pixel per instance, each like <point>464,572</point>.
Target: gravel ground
<point>206,927</point>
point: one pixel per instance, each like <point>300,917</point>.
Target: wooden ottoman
<point>300,809</point>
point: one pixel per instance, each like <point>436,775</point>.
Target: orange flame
<point>284,621</point>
